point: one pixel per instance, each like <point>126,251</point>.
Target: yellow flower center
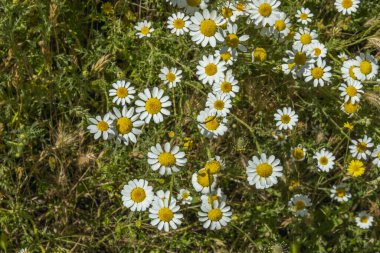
<point>227,12</point>
<point>225,56</point>
<point>317,72</point>
<point>264,170</point>
<point>166,159</point>
<point>378,155</point>
<point>265,9</point>
<point>361,147</point>
<point>145,30</point>
<point>364,219</point>
<point>260,54</point>
<point>170,77</point>
<point>305,39</point>
<point>122,92</point>
<point>298,153</point>
<point>215,214</point>
<point>280,25</point>
<point>208,27</point>
<point>356,168</point>
<point>351,91</point>
<point>171,134</point>
<point>350,108</point>
<point>365,67</point>
<point>211,69</point>
<point>340,192</point>
<point>124,125</point>
<point>219,104</point>
<point>232,40</point>
<point>212,198</point>
<point>213,166</point>
<point>165,214</point>
<point>299,205</point>
<point>300,58</point>
<point>193,3</point>
<point>323,160</point>
<point>185,195</point>
<point>303,16</point>
<point>346,4</point>
<point>178,23</point>
<point>138,195</point>
<point>290,65</point>
<point>211,123</point>
<point>351,72</point>
<point>102,126</point>
<point>153,105</point>
<point>204,178</point>
<point>285,119</point>
<point>226,87</point>
<point>240,6</point>
<point>317,51</point>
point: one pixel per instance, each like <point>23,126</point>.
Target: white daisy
<point>203,181</point>
<point>349,108</point>
<point>179,23</point>
<point>280,28</point>
<point>240,9</point>
<point>286,118</point>
<point>298,153</point>
<point>215,216</point>
<point>340,193</point>
<point>215,165</point>
<point>204,29</point>
<point>347,6</point>
<point>360,148</point>
<point>226,57</point>
<point>297,61</point>
<point>319,73</point>
<point>173,2</point>
<point>232,41</point>
<point>144,29</point>
<point>263,12</point>
<point>161,195</point>
<point>210,69</point>
<point>152,105</point>
<point>167,159</point>
<point>299,203</point>
<point>211,125</point>
<point>171,76</point>
<point>319,50</point>
<point>347,70</point>
<point>304,16</point>
<point>376,155</point>
<point>304,38</point>
<point>351,92</point>
<point>122,92</point>
<point>218,195</point>
<point>24,250</point>
<point>165,216</point>
<point>367,67</point>
<point>280,138</point>
<point>227,86</point>
<point>185,197</point>
<point>219,104</point>
<point>192,6</point>
<point>364,220</point>
<point>263,172</point>
<point>325,160</point>
<point>101,127</point>
<point>137,195</point>
<point>342,56</point>
<point>126,124</point>
<point>228,13</point>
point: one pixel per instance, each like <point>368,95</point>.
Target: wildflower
<point>364,220</point>
<point>297,61</point>
<point>214,165</point>
<point>204,29</point>
<point>101,127</point>
<point>187,143</point>
<point>286,118</point>
<point>122,92</point>
<point>225,57</point>
<point>208,199</point>
<point>192,6</point>
<point>350,108</point>
<point>144,29</point>
<point>137,195</point>
<point>319,73</point>
<point>185,196</point>
<point>298,153</point>
<point>325,160</point>
<point>171,134</point>
<point>215,216</point>
<point>376,155</point>
<point>232,41</point>
<point>211,125</point>
<point>280,28</point>
<point>210,69</point>
<point>259,55</point>
<point>219,104</point>
<point>356,168</point>
<point>263,12</point>
<point>351,92</point>
<point>304,38</point>
<point>203,181</point>
<point>161,195</point>
<point>319,50</point>
<point>347,6</point>
<point>304,16</point>
<point>294,184</point>
<point>299,203</point>
<point>340,193</point>
<point>107,8</point>
<point>228,85</point>
<point>348,126</point>
<point>360,148</point>
<point>179,23</point>
<point>367,67</point>
<point>171,76</point>
<point>347,70</point>
<point>166,159</point>
<point>164,215</point>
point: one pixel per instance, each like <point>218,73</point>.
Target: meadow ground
<point>60,189</point>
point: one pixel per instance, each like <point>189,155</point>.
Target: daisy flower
<point>299,204</point>
<point>280,138</point>
<point>304,38</point>
<point>204,29</point>
<point>152,105</point>
<point>218,195</point>
<point>263,12</point>
<point>137,195</point>
<point>325,160</point>
<point>219,104</point>
<point>211,125</point>
<point>161,195</point>
<point>203,181</point>
<point>101,127</point>
<point>342,56</point>
<point>376,155</point>
<point>226,57</point>
<point>350,108</point>
<point>24,250</point>
<point>232,41</point>
<point>280,28</point>
<point>166,159</point>
<point>367,67</point>
<point>179,23</point>
<point>215,216</point>
<point>340,193</point>
<point>347,6</point>
<point>351,92</point>
<point>347,70</point>
<point>228,13</point>
<point>122,92</point>
<point>192,6</point>
<point>227,86</point>
<point>240,9</point>
<point>171,76</point>
<point>304,16</point>
<point>298,61</point>
<point>144,29</point>
<point>319,50</point>
<point>356,168</point>
<point>126,124</point>
<point>259,55</point>
<point>364,220</point>
<point>214,165</point>
<point>263,172</point>
<point>164,215</point>
<point>286,118</point>
<point>185,196</point>
<point>210,69</point>
<point>319,73</point>
<point>360,148</point>
<point>298,153</point>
